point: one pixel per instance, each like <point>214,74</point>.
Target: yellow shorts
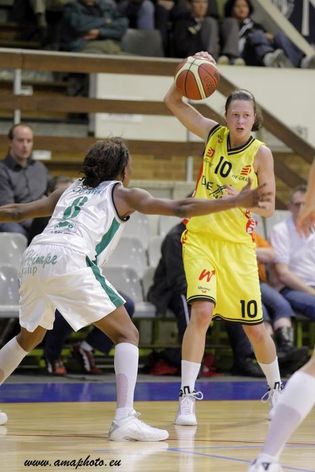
<point>224,273</point>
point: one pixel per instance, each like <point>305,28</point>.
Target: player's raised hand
<point>257,197</point>
<point>205,55</point>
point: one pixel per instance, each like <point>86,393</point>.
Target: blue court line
<point>106,391</point>
<point>232,459</point>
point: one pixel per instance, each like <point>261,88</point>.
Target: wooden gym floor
<point>63,426</point>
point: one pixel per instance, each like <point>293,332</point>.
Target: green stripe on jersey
<point>106,239</point>
<point>114,297</point>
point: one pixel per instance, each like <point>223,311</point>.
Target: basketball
<point>196,78</point>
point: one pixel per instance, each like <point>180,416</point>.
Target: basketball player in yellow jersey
<point>218,250</point>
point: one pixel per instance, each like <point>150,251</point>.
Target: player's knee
<point>256,333</point>
<point>201,316</point>
<point>129,334</point>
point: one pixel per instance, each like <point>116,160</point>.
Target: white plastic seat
<point>12,246</point>
<point>9,292</point>
<point>277,217</point>
<point>143,42</point>
<point>138,227</point>
<point>130,253</point>
<point>154,250</point>
<point>147,280</point>
<point>166,223</point>
<point>126,280</point>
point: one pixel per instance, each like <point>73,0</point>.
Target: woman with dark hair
<point>61,267</point>
<point>259,47</point>
<point>219,250</point>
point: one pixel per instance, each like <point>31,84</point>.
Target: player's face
<point>240,118</point>
<point>20,147</point>
<point>241,10</point>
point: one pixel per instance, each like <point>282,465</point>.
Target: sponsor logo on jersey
<point>208,274</point>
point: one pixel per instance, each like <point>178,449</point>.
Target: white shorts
<point>54,277</point>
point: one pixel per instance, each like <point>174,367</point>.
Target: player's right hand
<point>205,55</point>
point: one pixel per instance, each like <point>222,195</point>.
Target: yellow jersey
<point>224,166</point>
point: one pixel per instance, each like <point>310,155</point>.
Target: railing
<point>20,60</point>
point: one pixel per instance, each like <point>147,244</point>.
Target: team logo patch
<point>210,152</point>
<point>246,170</point>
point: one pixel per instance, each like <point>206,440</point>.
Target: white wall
<point>289,94</point>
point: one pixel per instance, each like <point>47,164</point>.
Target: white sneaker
<point>132,429</point>
<point>261,465</point>
<point>3,418</point>
<point>223,60</point>
<point>308,62</point>
<point>186,413</point>
<point>272,396</point>
<point>276,58</point>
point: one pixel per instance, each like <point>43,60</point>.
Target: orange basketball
<point>196,78</point>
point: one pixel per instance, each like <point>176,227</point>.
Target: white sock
<point>295,402</point>
<point>126,369</point>
<point>190,371</point>
<point>10,357</point>
<point>272,373</point>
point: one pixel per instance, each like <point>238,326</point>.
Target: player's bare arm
<point>22,211</point>
<point>306,218</point>
<point>129,200</point>
<point>265,173</point>
<point>188,115</point>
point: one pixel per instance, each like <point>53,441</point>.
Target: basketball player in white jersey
<point>60,269</point>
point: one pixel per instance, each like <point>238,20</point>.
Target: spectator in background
<point>295,258</point>
<point>167,12</point>
<point>22,179</point>
<point>40,7</point>
<point>196,30</point>
<point>93,26</point>
<point>259,47</point>
<point>169,292</point>
<point>278,313</point>
<point>140,13</point>
<point>37,19</point>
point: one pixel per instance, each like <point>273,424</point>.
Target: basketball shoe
<point>186,413</point>
<point>132,429</point>
<point>272,396</point>
<point>264,465</point>
<point>3,418</point>
<point>86,359</point>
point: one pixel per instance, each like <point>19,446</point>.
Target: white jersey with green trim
<point>85,219</point>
